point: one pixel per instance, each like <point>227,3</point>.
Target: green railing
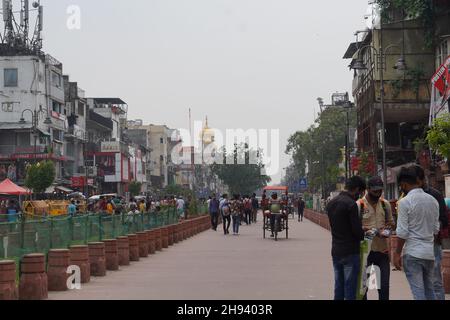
<point>39,236</point>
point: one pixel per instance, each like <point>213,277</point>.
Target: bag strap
<point>386,213</point>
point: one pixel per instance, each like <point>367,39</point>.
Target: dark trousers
<point>346,271</point>
<point>381,260</point>
<point>226,224</point>
<point>273,218</point>
<point>254,214</point>
<point>248,216</point>
<point>301,213</point>
<point>214,220</point>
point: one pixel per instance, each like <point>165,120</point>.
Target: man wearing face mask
<point>376,214</point>
<point>347,234</point>
<point>418,223</point>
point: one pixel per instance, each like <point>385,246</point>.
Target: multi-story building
<point>406,92</point>
<point>76,136</point>
<point>107,151</point>
<point>33,117</point>
<point>158,137</point>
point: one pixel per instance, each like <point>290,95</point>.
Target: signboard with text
<point>110,146</point>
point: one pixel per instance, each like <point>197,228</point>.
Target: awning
<point>52,189</point>
<point>10,188</point>
<point>64,189</point>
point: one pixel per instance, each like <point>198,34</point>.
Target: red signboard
<point>78,181</point>
<point>441,79</point>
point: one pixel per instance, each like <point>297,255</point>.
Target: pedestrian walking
<point>181,207</point>
<point>236,212</point>
<point>213,208</point>
<point>438,284</point>
<point>347,234</point>
<point>376,213</point>
<point>72,208</point>
<point>225,209</point>
<point>301,209</point>
<point>417,225</point>
<point>248,210</point>
<point>255,207</point>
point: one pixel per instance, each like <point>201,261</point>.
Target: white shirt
<point>418,222</point>
<point>180,204</point>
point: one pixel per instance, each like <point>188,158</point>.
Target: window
<point>56,79</point>
<point>161,140</point>
<point>80,109</point>
<point>443,52</point>
<point>11,77</point>
<point>8,106</point>
<point>56,107</point>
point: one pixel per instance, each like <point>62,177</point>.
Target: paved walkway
<point>212,266</point>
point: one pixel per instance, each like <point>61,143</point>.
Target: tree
<point>241,177</point>
<point>318,149</point>
<point>438,136</point>
<point>135,188</point>
<point>40,176</point>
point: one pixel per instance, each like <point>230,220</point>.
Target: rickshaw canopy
<point>277,188</point>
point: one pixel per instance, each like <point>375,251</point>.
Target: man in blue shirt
<point>214,212</point>
<point>13,211</point>
<point>72,209</point>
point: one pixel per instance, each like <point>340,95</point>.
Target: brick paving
<point>211,266</point>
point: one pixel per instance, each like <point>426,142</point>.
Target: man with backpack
<point>248,210</point>
<point>225,209</point>
<point>376,213</point>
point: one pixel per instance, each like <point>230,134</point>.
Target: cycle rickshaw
<point>281,219</point>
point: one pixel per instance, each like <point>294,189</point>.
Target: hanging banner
<point>441,79</point>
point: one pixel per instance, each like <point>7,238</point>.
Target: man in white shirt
<point>417,225</point>
<point>180,207</point>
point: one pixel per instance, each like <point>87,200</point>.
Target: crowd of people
<point>360,213</point>
<point>233,211</point>
<point>117,205</point>
<point>240,209</point>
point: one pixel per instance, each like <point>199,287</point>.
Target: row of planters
<point>41,235</point>
<point>41,273</point>
<point>323,221</point>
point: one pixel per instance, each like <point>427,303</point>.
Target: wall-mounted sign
<point>110,146</point>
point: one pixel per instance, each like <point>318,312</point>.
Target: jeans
<point>236,223</point>
<point>437,278</point>
<point>381,260</point>
<point>346,271</point>
<point>226,224</point>
<point>248,216</point>
<point>419,273</point>
<point>214,220</point>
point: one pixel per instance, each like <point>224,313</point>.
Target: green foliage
<point>397,86</point>
<point>40,176</point>
<point>241,177</point>
<point>438,136</point>
<point>424,10</point>
<point>135,188</point>
<point>416,75</point>
<point>175,190</point>
<point>320,146</point>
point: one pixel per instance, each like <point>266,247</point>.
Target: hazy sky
<point>245,63</point>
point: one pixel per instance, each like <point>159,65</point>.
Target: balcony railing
<point>10,150</point>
